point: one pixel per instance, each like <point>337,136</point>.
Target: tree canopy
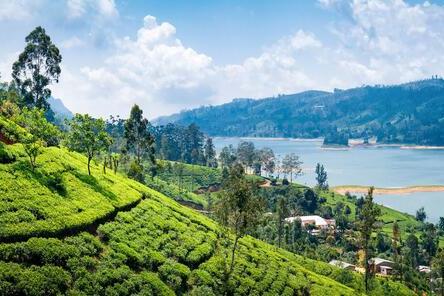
<point>36,68</point>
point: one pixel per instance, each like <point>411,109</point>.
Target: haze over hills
<point>59,108</point>
<point>406,113</point>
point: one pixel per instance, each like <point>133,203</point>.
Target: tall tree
<point>267,159</point>
<point>210,153</point>
<point>281,214</point>
<point>40,132</point>
<point>138,138</point>
<point>246,153</point>
<point>227,156</point>
<point>192,151</point>
<point>238,207</point>
<point>441,224</point>
<point>429,241</point>
<point>36,68</point>
<point>438,269</point>
<point>421,214</point>
<point>396,249</point>
<point>87,135</point>
<point>366,225</point>
<point>321,177</point>
<point>291,165</point>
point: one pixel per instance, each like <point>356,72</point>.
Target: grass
<point>157,248</point>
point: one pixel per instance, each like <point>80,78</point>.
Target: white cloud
<point>102,8</point>
<point>17,9</point>
<point>153,69</point>
<point>380,42</point>
<point>72,42</point>
<point>374,42</point>
<point>156,69</point>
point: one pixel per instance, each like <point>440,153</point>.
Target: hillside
<point>60,234</point>
<point>406,113</point>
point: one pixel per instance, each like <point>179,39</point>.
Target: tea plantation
<point>63,232</point>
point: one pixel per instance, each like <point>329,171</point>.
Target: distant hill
<point>406,113</point>
<point>59,108</point>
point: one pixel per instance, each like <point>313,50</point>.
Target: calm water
<point>377,166</point>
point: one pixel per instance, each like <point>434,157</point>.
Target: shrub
<point>174,274</point>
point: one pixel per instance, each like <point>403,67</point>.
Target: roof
<point>340,264</point>
<point>318,220</point>
<point>378,261</point>
<point>424,268</point>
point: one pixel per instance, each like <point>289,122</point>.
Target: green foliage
<point>39,132</point>
<point>58,196</point>
<point>321,177</point>
<point>87,135</point>
<point>138,138</point>
<point>10,131</point>
<point>157,248</point>
<point>37,67</point>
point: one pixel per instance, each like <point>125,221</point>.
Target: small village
<point>315,224</point>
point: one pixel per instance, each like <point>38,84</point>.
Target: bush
<point>6,156</point>
<point>135,172</point>
<point>174,274</point>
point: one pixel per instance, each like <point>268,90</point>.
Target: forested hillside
<point>407,113</point>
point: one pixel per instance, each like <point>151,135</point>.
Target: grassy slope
<point>388,217</point>
<point>179,180</point>
<point>158,247</point>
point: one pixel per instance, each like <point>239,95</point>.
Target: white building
<point>315,220</point>
<point>342,265</point>
<point>424,268</point>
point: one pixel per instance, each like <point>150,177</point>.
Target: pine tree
<point>366,225</point>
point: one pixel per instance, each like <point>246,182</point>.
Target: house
<point>424,268</point>
<point>315,220</point>
<point>316,223</point>
<point>381,266</point>
<point>342,265</point>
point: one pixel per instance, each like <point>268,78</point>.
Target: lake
<point>380,166</point>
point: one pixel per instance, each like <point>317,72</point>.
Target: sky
<point>169,55</point>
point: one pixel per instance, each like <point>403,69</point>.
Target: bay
<point>379,166</point>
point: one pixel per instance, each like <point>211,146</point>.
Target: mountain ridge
<point>411,112</point>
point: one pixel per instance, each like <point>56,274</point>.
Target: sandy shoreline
<point>396,190</point>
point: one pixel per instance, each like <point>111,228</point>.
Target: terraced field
<point>59,196</point>
<point>60,236</point>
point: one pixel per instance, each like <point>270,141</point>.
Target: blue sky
<point>171,55</point>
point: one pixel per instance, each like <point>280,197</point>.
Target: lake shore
<point>353,143</point>
<point>390,190</point>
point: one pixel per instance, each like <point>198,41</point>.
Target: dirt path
<point>396,190</point>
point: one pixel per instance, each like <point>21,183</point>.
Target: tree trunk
<point>233,254</point>
<point>89,162</point>
<point>31,160</point>
<point>366,265</point>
